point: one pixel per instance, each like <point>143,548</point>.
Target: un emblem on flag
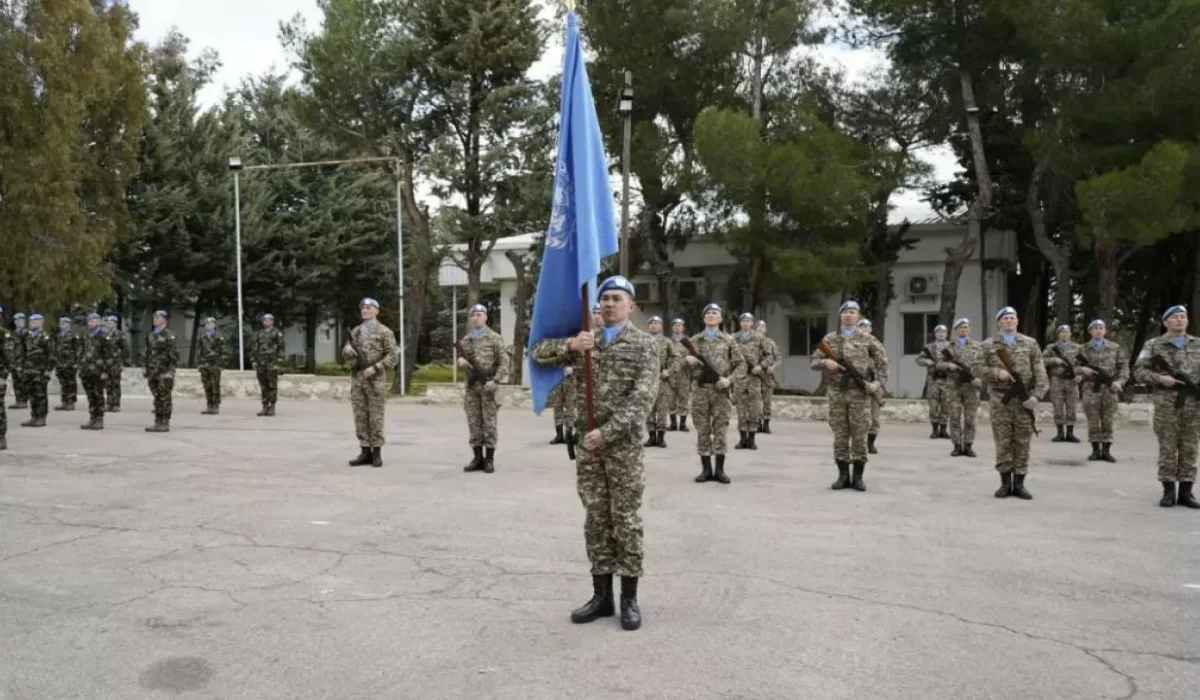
<point>562,219</point>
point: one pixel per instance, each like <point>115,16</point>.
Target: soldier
<point>20,333</point>
<point>966,359</point>
<point>714,379</point>
<point>113,384</point>
<point>97,354</point>
<point>372,346</point>
<point>1104,368</point>
<point>681,381</point>
<point>847,401</point>
<point>562,400</point>
<point>879,368</point>
<point>66,364</point>
<point>1059,358</point>
<point>1012,419</point>
<point>268,355</point>
<point>211,349</point>
<point>597,317</point>
<point>487,351</point>
<point>936,382</point>
<point>748,392</point>
<point>159,361</point>
<point>37,368</point>
<point>768,379</point>
<point>6,354</point>
<point>610,474</point>
<point>656,421</point>
<point>1171,364</point>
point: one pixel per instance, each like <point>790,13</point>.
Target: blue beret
<point>712,307</point>
<point>35,317</point>
<point>1177,309</point>
<point>1006,311</point>
<point>1096,324</point>
<point>269,317</point>
<point>677,322</point>
<point>160,313</point>
<point>64,319</point>
<point>1064,327</point>
<point>596,309</point>
<point>964,321</point>
<point>368,302</point>
<point>939,327</point>
<point>93,317</point>
<point>850,305</point>
<point>746,317</point>
<point>618,283</point>
<point>209,320</point>
<point>112,317</point>
<point>654,319</point>
<point>18,316</point>
<point>865,322</point>
<point>478,309</point>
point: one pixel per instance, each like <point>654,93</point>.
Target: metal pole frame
<point>237,205</point>
<point>625,156</point>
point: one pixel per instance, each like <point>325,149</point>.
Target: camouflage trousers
<point>3,408</point>
<point>36,386</point>
<point>1099,407</point>
<point>681,393</point>
<point>874,402</point>
<point>747,399</point>
<point>1178,433</point>
<point>482,412</point>
<point>93,388</point>
<point>710,413</point>
<point>161,390</point>
<point>1012,430</point>
<point>368,398</point>
<point>268,384</point>
<point>964,409</point>
<point>562,400</point>
<point>848,419</point>
<point>68,385</point>
<point>1064,393</point>
<point>611,482</point>
<point>17,381</point>
<point>657,418</point>
<point>112,387</point>
<point>938,397</point>
<point>211,378</point>
<point>768,394</point>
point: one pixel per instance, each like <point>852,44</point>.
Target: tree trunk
<point>521,318</point>
<point>758,207</point>
<point>983,278</point>
<point>474,281</point>
<point>1058,256</point>
<point>1107,267</point>
<point>418,271</point>
<point>310,338</point>
<point>195,337</point>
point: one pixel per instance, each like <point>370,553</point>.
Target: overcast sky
<point>245,33</point>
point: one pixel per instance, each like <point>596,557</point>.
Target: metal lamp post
<point>235,164</point>
<point>625,109</point>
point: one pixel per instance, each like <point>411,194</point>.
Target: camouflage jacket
<point>66,350</point>
<point>161,355</point>
<point>682,371</point>
<point>756,353</point>
<point>1026,360</point>
<point>268,348</point>
<point>1060,359</point>
<point>39,353</point>
<point>1109,358</point>
<point>377,344</point>
<point>489,353</point>
<point>667,356</point>
<point>626,380</point>
<point>116,338</point>
<point>773,351</point>
<point>723,353</point>
<point>929,358</point>
<point>863,352</point>
<point>6,352</point>
<point>1182,360</point>
<point>98,352</point>
<point>19,337</point>
<point>969,355</point>
<point>210,350</point>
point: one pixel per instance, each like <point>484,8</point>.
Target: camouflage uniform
<point>160,357</point>
<point>6,354</point>
<point>1178,430</point>
<point>268,355</point>
<point>376,345</point>
<point>748,392</point>
<point>680,386</point>
<point>847,402</point>
<point>490,354</point>
<point>964,396</point>
<point>211,350</point>
<point>112,388</point>
<point>768,382</point>
<point>1100,402</point>
<point>20,394</point>
<point>562,400</point>
<point>611,479</point>
<point>96,355</point>
<point>938,385</point>
<point>37,366</point>
<point>710,405</point>
<point>1064,390</point>
<point>656,421</point>
<point>878,370</point>
<point>1012,424</point>
<point>67,347</point>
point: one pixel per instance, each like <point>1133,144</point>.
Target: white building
<point>703,268</point>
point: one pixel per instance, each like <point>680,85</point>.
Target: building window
<point>918,332</point>
<point>805,333</point>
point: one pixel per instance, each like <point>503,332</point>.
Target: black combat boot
<point>957,451</point>
<point>766,426</point>
<point>571,444</point>
<point>263,412</point>
<point>93,424</point>
<point>856,481</point>
<point>1168,498</point>
<point>933,434</point>
<point>741,443</point>
<point>1018,488</point>
<point>651,441</point>
<point>1071,434</point>
<point>1095,455</point>
<point>376,457</point>
<point>35,423</point>
<point>662,438</point>
<point>216,408</point>
<point>3,443</point>
<point>1006,485</point>
<point>942,432</point>
<point>719,474</point>
<point>843,479</point>
<point>271,410</point>
<point>1186,499</point>
<point>62,407</point>
<point>871,444</point>
<point>706,473</point>
<point>967,451</point>
<point>476,463</point>
<point>601,604</point>
<point>673,425</point>
<point>631,614</point>
<point>1105,452</point>
<point>489,461</point>
<point>750,443</point>
<point>363,458</point>
<point>1059,435</point>
<point>683,424</point>
<point>558,436</point>
<point>208,409</point>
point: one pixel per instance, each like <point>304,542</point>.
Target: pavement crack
<point>35,550</point>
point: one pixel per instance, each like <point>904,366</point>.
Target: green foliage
<point>1143,203</point>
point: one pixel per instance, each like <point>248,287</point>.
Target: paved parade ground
<point>239,557</point>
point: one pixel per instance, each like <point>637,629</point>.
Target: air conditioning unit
<point>693,289</point>
<point>646,292</point>
<point>922,286</point>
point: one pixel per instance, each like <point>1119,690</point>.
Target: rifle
<point>708,373</point>
<point>932,368</point>
<point>849,373</point>
<point>1183,389</point>
<point>360,363</point>
<point>1101,379</point>
<point>475,375</point>
<point>1066,371</point>
<point>965,375</point>
<point>1019,390</point>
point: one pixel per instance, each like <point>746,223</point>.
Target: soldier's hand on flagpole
<point>693,360</point>
<point>586,340</point>
<point>593,440</point>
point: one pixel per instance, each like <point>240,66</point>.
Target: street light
<point>625,109</point>
<point>235,164</point>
